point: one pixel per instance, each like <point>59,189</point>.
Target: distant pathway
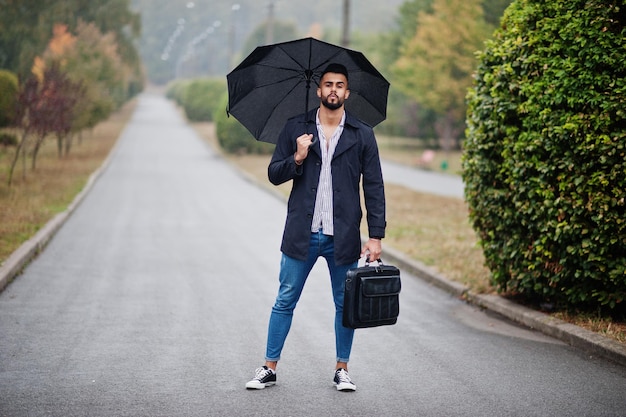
<point>424,181</point>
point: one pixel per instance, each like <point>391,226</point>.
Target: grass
<point>36,196</point>
<point>601,325</point>
<point>432,229</point>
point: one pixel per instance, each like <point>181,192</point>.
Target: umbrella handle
<point>315,137</point>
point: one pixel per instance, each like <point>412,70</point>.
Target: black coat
<point>356,158</point>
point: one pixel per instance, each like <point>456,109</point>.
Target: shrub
<point>233,137</point>
<point>7,139</point>
<point>201,97</point>
<point>8,97</point>
<point>545,159</point>
<point>176,91</point>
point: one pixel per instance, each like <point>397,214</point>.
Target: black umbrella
<point>277,82</point>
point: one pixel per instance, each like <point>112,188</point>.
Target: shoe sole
<point>259,386</point>
<point>345,387</point>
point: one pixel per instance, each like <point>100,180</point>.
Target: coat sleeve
<point>282,167</point>
<point>373,188</point>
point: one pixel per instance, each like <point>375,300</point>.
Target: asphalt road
<point>431,182</point>
<point>153,300</point>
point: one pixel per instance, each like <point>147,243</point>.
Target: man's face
<point>333,90</point>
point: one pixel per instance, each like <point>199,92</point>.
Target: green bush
<point>7,139</point>
<point>545,159</point>
<point>8,97</point>
<point>201,97</point>
<point>233,137</point>
<point>176,91</point>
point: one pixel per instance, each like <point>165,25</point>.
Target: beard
<point>332,106</point>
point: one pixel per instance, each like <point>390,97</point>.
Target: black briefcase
<point>371,296</point>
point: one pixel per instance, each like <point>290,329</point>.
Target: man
<point>324,212</point>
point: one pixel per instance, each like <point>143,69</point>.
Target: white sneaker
<point>263,377</point>
<point>342,381</point>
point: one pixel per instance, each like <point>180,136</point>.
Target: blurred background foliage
<point>425,48</point>
<point>186,40</point>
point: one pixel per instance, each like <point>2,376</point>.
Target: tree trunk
<point>38,143</point>
<point>68,143</point>
<point>447,131</point>
<point>59,146</point>
<point>18,149</point>
<point>345,27</point>
<point>24,148</point>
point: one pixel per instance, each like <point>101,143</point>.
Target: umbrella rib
<point>281,101</point>
<point>296,74</point>
<point>294,60</point>
<point>328,60</point>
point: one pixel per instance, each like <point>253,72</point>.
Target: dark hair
<point>336,69</point>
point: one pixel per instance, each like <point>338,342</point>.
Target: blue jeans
<point>293,275</point>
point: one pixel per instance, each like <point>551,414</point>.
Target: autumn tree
<point>58,97</point>
<point>97,61</point>
<point>57,93</point>
<point>436,65</point>
<point>91,60</point>
<point>114,19</point>
<point>44,107</point>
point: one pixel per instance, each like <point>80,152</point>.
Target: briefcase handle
<point>367,261</point>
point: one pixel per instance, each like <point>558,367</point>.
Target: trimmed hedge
<point>199,97</point>
<point>545,156</point>
<point>8,97</point>
<point>234,138</point>
<point>176,91</point>
<point>8,139</point>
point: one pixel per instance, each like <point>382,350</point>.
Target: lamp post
<point>167,51</point>
<point>231,51</point>
<point>180,27</point>
<point>211,60</point>
<point>345,37</point>
<point>269,29</point>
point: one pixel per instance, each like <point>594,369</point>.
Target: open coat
<point>356,158</point>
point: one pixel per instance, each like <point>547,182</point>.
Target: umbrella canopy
<point>279,81</point>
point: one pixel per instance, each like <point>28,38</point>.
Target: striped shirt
<point>323,213</point>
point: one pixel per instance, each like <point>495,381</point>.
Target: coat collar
<point>347,139</point>
<point>350,118</point>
